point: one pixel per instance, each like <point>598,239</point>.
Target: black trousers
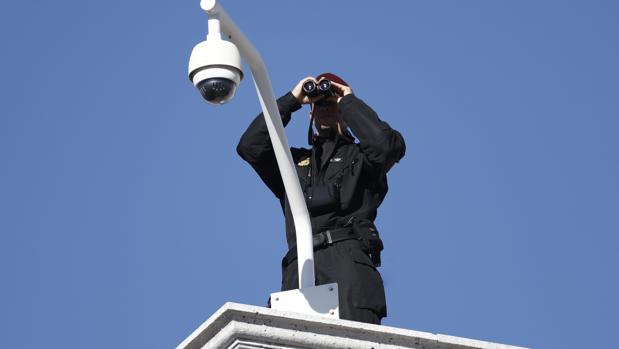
<point>360,286</point>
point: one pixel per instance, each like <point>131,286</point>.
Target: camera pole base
<point>317,300</point>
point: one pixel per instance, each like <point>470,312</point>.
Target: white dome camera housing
<point>215,69</point>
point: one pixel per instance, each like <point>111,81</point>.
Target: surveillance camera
<point>215,69</point>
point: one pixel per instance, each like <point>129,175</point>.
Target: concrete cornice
<point>239,326</point>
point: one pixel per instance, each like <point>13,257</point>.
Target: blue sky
<point>127,219</point>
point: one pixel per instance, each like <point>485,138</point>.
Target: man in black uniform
<point>344,182</point>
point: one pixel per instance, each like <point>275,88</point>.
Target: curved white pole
<point>302,224</point>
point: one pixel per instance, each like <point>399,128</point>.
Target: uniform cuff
<point>288,103</point>
<point>349,98</point>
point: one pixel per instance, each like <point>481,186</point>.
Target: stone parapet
<point>239,326</point>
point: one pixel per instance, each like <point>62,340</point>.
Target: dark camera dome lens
<point>217,90</point>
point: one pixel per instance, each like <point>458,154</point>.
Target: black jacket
<point>356,171</point>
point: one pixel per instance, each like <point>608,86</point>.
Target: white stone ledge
<point>239,326</point>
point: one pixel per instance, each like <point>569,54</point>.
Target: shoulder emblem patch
<point>304,162</point>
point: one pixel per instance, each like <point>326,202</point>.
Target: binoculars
<point>311,89</point>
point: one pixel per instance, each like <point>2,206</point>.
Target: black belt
<point>331,236</point>
<point>323,239</point>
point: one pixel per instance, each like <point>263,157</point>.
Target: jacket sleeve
<point>382,145</point>
<point>255,145</point>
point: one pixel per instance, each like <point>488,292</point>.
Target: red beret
<point>332,77</point>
